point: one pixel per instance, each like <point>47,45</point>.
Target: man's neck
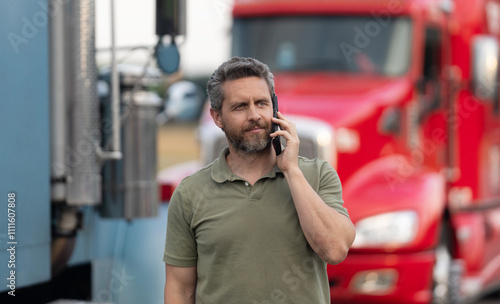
<point>251,167</point>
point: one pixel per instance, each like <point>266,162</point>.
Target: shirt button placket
<point>249,188</point>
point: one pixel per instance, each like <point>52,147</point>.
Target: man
<point>253,227</point>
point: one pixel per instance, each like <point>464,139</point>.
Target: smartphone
<point>275,127</point>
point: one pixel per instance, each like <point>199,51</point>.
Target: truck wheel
<point>447,273</point>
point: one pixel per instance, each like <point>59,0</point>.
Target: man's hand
<point>288,159</point>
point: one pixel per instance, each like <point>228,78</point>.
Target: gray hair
<point>233,69</point>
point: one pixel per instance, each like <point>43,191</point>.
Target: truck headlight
<point>386,230</point>
<point>324,139</point>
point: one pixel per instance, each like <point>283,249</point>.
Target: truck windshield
<point>359,44</point>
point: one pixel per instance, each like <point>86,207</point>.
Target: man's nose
<point>252,113</point>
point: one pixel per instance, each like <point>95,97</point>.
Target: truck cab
<point>401,98</point>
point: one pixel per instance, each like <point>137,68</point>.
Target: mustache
<point>254,125</point>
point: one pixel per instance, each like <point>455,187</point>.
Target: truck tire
<point>447,272</point>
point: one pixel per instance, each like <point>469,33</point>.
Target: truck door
<point>480,137</point>
<point>432,96</point>
<point>489,178</point>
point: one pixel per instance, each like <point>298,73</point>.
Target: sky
<point>205,47</point>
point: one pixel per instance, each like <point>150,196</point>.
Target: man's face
<point>246,115</point>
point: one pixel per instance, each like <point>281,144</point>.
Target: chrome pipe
<point>115,88</point>
<point>116,144</point>
<point>58,102</point>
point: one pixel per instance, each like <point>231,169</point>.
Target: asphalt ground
<point>176,143</point>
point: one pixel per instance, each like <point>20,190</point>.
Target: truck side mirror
<point>484,67</point>
<point>167,56</point>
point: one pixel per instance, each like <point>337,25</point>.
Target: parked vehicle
<point>402,98</point>
<point>184,102</point>
<point>78,160</point>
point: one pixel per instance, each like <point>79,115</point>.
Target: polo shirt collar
<point>221,171</point>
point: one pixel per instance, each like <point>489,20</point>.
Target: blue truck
<point>80,217</point>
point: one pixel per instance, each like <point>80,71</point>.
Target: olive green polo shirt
<point>246,241</point>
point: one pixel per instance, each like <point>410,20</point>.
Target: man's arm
<point>180,284</point>
<point>329,233</point>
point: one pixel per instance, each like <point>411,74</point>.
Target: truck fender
<point>392,184</point>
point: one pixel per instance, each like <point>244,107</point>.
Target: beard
<point>248,143</point>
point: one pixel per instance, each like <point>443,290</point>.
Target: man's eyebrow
<point>262,99</point>
<point>238,103</point>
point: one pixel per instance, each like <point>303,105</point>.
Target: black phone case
<point>276,140</point>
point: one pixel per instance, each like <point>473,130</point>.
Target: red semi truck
<point>402,98</point>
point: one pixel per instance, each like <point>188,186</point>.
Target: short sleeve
<point>180,243</point>
<point>330,189</point>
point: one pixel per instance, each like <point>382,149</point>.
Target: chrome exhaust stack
<point>84,180</point>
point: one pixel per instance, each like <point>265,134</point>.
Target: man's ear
<point>216,116</point>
